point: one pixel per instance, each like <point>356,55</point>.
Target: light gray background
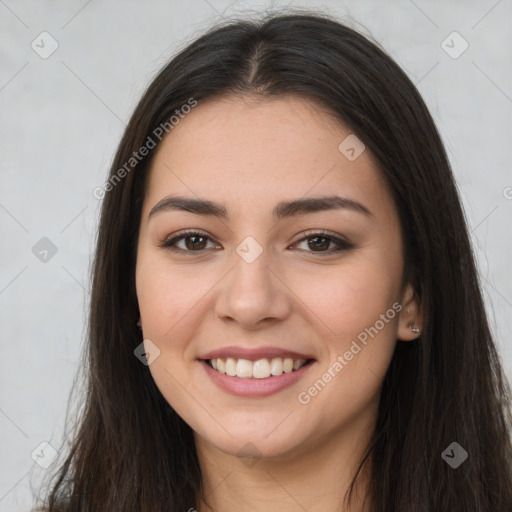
<point>61,119</point>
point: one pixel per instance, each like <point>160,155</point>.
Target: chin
<point>253,444</point>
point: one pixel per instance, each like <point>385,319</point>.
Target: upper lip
<point>253,354</point>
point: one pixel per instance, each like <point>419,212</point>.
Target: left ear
<point>410,321</point>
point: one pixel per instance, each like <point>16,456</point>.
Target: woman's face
<point>269,274</point>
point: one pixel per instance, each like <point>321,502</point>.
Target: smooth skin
<point>251,154</point>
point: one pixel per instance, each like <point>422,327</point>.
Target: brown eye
<point>192,241</point>
<point>321,243</point>
<point>195,242</point>
<point>318,242</point>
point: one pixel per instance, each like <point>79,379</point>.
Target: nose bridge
<point>251,284</point>
<point>252,293</point>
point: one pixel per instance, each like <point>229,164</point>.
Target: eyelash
<point>343,245</point>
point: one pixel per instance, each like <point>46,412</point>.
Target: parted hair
<point>127,450</point>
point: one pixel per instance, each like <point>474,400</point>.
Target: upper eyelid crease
<point>282,210</point>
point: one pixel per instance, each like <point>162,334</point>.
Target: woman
<point>285,309</point>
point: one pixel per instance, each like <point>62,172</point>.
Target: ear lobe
<point>410,321</point>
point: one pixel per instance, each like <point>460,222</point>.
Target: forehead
<point>250,152</point>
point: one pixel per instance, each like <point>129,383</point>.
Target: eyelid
<point>324,232</point>
<point>339,240</point>
<point>180,235</point>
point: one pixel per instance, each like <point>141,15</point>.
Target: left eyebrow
<point>282,210</point>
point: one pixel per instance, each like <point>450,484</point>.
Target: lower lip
<point>255,387</point>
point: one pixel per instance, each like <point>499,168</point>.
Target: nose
<point>253,294</point>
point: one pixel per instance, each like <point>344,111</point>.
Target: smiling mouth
<point>259,369</point>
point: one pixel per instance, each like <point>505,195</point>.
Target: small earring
<point>415,330</point>
<point>139,325</point>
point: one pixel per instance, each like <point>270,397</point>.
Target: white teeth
<point>276,366</point>
<point>243,368</point>
<point>260,369</point>
<point>231,366</point>
<point>298,363</point>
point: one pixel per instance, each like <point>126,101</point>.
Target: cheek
<point>355,310</point>
<point>166,293</point>
<point>346,300</point>
<point>169,303</point>
<point>356,315</point>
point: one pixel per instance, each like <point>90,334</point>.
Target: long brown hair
<point>129,450</point>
